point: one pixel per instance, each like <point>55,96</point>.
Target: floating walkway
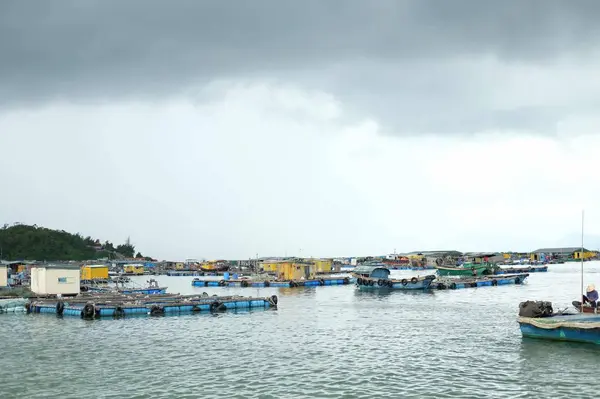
<point>275,283</point>
<point>119,305</point>
<point>474,282</point>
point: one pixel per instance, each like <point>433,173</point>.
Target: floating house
<point>298,270</point>
<point>270,265</point>
<point>94,272</point>
<point>135,269</point>
<point>55,279</point>
<point>323,265</point>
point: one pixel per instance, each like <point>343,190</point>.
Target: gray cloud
<point>389,59</point>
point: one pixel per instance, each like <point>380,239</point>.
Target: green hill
<point>23,242</point>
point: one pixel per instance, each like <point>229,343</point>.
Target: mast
<point>581,255</point>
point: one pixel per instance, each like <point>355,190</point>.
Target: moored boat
<point>537,319</point>
<point>376,276</point>
<point>478,281</point>
<point>466,269</point>
<point>513,270</point>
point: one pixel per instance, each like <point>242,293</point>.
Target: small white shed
<point>55,279</point>
<point>3,275</point>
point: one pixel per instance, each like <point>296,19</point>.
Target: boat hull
<point>513,270</point>
<point>421,283</point>
<point>485,281</point>
<point>572,328</point>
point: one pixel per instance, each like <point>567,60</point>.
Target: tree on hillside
<point>23,242</point>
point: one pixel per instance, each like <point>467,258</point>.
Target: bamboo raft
<point>89,306</point>
<point>474,282</point>
<point>272,283</point>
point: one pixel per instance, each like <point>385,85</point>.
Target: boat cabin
<point>376,271</point>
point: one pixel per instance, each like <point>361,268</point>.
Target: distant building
<point>3,275</point>
<point>564,252</point>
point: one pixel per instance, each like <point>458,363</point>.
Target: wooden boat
<point>455,283</point>
<point>562,327</point>
<point>377,276</point>
<point>585,308</point>
<point>538,320</point>
<point>513,270</point>
<point>466,269</point>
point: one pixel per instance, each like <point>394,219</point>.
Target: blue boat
<point>481,281</point>
<point>530,269</point>
<point>377,276</point>
<point>582,327</point>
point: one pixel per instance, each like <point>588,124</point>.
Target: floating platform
<point>573,327</point>
<point>272,283</point>
<point>530,269</point>
<point>119,305</point>
<point>474,282</point>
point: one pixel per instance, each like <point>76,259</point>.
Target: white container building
<point>55,279</point>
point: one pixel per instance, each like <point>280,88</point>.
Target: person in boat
<point>591,296</point>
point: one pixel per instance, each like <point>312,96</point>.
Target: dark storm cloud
<point>103,49</point>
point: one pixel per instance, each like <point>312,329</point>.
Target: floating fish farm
<point>118,305</point>
<point>266,283</point>
<point>474,282</point>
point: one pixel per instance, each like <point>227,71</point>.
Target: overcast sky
<point>315,128</point>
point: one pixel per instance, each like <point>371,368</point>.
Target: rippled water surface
<point>323,342</point>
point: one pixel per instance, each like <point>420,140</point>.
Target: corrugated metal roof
<point>57,266</point>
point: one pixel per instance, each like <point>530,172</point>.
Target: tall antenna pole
<point>581,255</point>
